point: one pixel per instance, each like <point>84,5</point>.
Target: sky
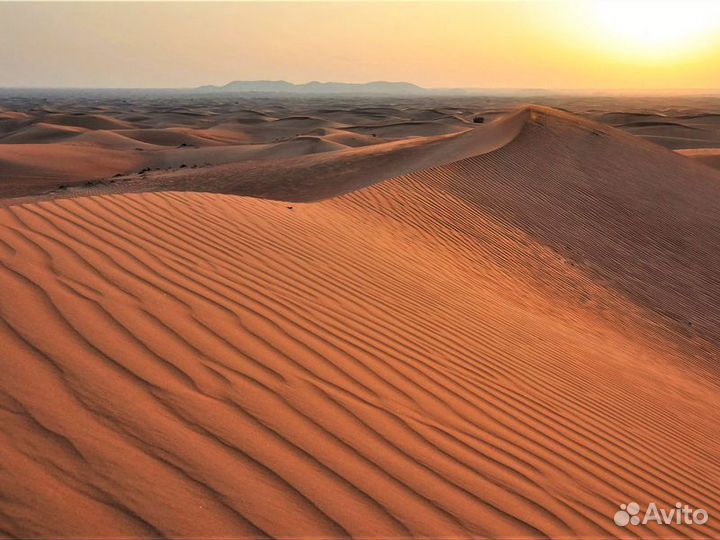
<point>563,44</point>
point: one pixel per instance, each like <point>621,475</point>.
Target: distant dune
<point>709,156</point>
<point>134,136</point>
<point>500,332</point>
<point>679,130</point>
<point>48,151</point>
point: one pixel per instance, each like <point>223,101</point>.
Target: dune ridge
<point>493,347</point>
<point>708,156</point>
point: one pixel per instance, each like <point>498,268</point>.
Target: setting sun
<point>656,28</point>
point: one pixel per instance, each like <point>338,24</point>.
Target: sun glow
<point>657,28</point>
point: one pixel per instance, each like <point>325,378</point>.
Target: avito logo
<point>680,514</point>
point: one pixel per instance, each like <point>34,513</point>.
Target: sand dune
<point>356,117</point>
<point>672,129</point>
<point>346,138</point>
<point>245,129</point>
<point>226,138</point>
<point>40,133</point>
<point>87,121</point>
<point>196,157</point>
<point>622,118</point>
<point>704,117</point>
<point>13,120</point>
<point>708,156</point>
<point>506,339</point>
<point>403,130</point>
<point>30,168</point>
<point>115,140</point>
<point>167,137</point>
<point>328,174</point>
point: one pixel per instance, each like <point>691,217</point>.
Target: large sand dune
<point>512,336</point>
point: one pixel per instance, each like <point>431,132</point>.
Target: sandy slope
<point>506,346</point>
<point>709,156</point>
<point>30,167</point>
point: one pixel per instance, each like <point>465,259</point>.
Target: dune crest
<point>496,346</point>
<point>708,156</point>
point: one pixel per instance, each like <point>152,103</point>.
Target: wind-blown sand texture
<point>505,343</point>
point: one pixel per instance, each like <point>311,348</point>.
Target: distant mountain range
<point>315,87</point>
<point>376,88</point>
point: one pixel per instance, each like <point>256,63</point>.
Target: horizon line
<point>524,88</point>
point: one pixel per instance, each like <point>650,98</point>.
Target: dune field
<point>333,319</point>
<point>51,144</point>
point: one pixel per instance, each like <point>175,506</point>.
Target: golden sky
<point>483,44</point>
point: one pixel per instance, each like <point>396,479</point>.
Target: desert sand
<point>360,320</point>
<point>51,143</point>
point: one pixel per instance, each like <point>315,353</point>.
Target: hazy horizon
<point>439,88</point>
<point>552,45</point>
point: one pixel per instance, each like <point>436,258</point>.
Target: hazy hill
<point>316,87</point>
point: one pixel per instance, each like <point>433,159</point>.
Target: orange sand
<point>508,345</point>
